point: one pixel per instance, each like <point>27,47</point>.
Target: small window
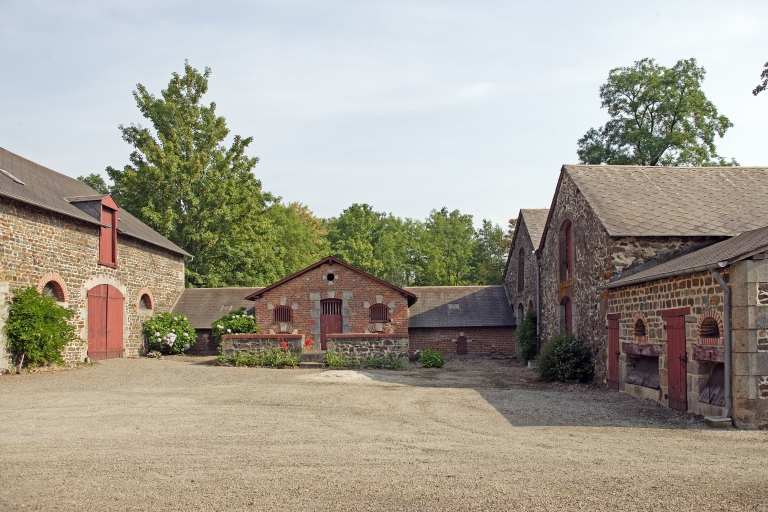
<point>521,271</point>
<point>53,289</point>
<point>709,329</point>
<point>379,313</point>
<point>145,302</point>
<point>282,315</point>
<point>565,251</point>
<point>640,330</point>
<point>108,238</point>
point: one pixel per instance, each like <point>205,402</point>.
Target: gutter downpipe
<point>726,340</point>
<point>538,300</point>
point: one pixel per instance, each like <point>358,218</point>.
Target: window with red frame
<point>282,315</point>
<point>565,250</point>
<point>379,313</point>
<point>108,237</point>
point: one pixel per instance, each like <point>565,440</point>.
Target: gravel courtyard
<point>180,434</point>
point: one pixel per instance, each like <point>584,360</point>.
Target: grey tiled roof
<point>727,251</point>
<point>674,201</point>
<point>460,306</point>
<point>48,189</point>
<point>535,220</point>
<point>202,306</point>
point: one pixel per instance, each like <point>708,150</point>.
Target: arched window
<point>378,313</point>
<point>639,329</point>
<point>53,289</point>
<point>709,329</point>
<point>565,312</point>
<point>530,304</point>
<point>565,251</point>
<point>282,315</point>
<point>145,302</point>
<point>521,271</point>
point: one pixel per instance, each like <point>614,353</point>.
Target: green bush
<point>430,358</point>
<point>388,360</point>
<point>38,328</point>
<point>337,360</point>
<point>168,333</point>
<point>274,357</point>
<point>526,335</point>
<point>565,358</point>
<point>234,322</point>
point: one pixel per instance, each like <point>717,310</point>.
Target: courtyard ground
<point>180,434</point>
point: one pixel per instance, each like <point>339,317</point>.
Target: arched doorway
<point>105,322</point>
<point>461,346</point>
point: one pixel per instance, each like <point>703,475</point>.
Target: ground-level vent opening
<point>643,371</point>
<point>714,392</point>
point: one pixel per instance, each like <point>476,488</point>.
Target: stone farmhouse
<point>608,223</point>
<point>62,237</point>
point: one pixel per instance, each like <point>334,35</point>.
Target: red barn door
<point>105,322</point>
<point>461,346</point>
<point>677,360</point>
<point>330,320</point>
<point>613,350</point>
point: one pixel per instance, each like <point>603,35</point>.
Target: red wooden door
<point>330,320</point>
<point>677,362</point>
<point>613,351</point>
<point>461,346</point>
<point>105,322</point>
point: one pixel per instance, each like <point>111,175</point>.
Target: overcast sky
<point>407,106</point>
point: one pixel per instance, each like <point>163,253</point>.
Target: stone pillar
<point>5,298</point>
<point>749,327</point>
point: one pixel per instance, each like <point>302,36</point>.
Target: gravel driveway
<point>179,434</point>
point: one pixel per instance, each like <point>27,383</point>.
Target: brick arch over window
<point>282,315</point>
<point>54,285</point>
<point>145,300</point>
<point>521,270</point>
<point>565,250</point>
<point>640,328</point>
<point>711,329</point>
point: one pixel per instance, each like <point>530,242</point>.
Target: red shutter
<point>108,237</point>
<point>521,271</point>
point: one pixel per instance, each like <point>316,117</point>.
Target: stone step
<point>313,356</point>
<point>311,365</point>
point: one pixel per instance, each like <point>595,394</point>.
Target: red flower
<point>307,343</point>
<point>285,345</point>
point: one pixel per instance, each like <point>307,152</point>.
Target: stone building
<point>671,337</point>
<point>520,276</point>
<point>62,237</point>
<point>462,320</point>
<point>332,306</point>
<point>608,222</point>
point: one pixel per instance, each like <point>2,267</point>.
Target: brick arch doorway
<point>461,346</point>
<point>106,306</point>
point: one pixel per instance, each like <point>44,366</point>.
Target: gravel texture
<point>180,434</point>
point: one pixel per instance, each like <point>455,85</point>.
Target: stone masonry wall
<point>528,295</point>
<point>485,341</point>
<point>364,345</point>
<point>231,343</point>
<point>38,246</point>
<point>357,292</point>
<point>646,301</point>
<point>597,258</point>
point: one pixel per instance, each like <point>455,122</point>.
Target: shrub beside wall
<point>168,333</point>
<point>565,358</point>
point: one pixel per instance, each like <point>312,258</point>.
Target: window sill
<point>110,265</point>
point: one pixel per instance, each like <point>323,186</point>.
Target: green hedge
<point>526,335</point>
<point>565,358</point>
<point>234,322</point>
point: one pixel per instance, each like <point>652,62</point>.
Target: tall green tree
<point>446,249</point>
<point>353,236</point>
<point>185,183</point>
<point>659,116</point>
<point>489,254</point>
<point>96,182</point>
<point>299,237</point>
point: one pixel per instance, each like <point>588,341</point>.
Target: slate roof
<point>720,254</point>
<point>535,221</point>
<point>674,201</point>
<point>478,306</point>
<point>31,183</point>
<point>202,306</point>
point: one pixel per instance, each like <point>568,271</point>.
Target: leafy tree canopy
<point>659,116</point>
<point>96,182</point>
<point>191,188</point>
<point>764,84</point>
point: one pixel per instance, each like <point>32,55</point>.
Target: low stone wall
<point>231,343</point>
<point>362,345</point>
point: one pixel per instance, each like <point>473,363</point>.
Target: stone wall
<point>527,296</point>
<point>645,302</point>
<point>364,345</point>
<point>357,292</point>
<point>38,246</point>
<point>231,343</point>
<point>486,341</point>
<point>597,258</point>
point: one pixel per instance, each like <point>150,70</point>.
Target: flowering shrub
<point>37,328</point>
<point>234,322</point>
<point>168,334</point>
